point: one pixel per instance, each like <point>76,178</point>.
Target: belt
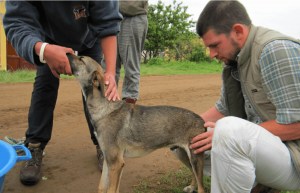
<point>124,15</point>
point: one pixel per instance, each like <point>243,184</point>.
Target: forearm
<point>109,48</point>
<point>285,132</point>
<point>212,115</point>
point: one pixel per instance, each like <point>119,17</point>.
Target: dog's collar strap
<point>42,53</point>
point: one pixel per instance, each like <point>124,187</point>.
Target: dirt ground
<point>70,164</point>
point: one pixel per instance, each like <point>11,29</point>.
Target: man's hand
<point>109,80</point>
<point>203,141</point>
<point>56,58</point>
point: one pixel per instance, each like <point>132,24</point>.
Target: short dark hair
<point>220,16</point>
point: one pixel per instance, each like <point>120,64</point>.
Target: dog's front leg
<point>103,180</point>
<point>111,176</point>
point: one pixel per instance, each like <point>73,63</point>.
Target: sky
<point>279,15</point>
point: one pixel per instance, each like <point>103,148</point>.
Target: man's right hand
<point>56,58</point>
<point>203,142</point>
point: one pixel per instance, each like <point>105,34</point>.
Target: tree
<point>189,47</point>
<point>165,25</point>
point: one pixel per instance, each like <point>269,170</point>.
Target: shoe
<point>31,169</point>
<point>130,100</point>
<point>259,188</point>
<point>100,158</point>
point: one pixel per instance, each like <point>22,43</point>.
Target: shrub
<point>156,61</point>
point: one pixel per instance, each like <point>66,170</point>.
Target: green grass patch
<point>22,76</point>
<point>171,182</point>
<point>184,67</point>
<point>163,68</point>
<point>174,182</point>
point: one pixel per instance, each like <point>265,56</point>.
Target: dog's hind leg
<point>197,163</point>
<point>183,157</point>
<point>111,175</point>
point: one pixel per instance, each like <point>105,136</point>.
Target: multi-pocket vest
<point>250,80</point>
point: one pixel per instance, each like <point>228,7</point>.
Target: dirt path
<point>70,163</point>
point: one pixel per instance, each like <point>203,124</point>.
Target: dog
<point>127,130</point>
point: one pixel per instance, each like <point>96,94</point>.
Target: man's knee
<point>226,133</point>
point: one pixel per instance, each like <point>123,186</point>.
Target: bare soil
<point>70,164</point>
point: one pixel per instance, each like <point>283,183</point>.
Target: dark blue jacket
<point>72,24</point>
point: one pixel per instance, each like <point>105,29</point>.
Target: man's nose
<point>213,53</point>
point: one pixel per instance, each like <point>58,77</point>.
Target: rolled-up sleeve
<point>280,72</point>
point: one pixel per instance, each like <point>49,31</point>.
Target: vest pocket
<point>261,101</point>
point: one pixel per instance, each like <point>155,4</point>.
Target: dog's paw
<point>189,189</point>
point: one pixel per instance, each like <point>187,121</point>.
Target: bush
<point>156,61</point>
<point>197,53</point>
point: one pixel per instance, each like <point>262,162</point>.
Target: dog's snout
<point>71,58</point>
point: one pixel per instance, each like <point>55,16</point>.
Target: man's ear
<point>238,29</point>
<point>240,33</point>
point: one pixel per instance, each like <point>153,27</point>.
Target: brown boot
<point>100,158</point>
<point>259,188</point>
<point>31,169</point>
<point>130,100</point>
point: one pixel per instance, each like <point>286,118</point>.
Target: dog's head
<point>88,73</point>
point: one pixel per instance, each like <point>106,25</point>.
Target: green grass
<point>171,182</point>
<point>174,181</point>
<point>22,76</point>
<point>184,67</point>
<point>171,68</point>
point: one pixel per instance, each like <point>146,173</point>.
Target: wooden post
<point>3,61</point>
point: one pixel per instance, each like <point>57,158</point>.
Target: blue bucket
<point>8,158</point>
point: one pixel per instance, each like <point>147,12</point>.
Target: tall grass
<point>172,68</point>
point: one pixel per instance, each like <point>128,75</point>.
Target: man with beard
<point>256,130</point>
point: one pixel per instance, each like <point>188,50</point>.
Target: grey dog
<point>127,130</point>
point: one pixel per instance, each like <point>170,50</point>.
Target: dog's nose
<point>71,58</point>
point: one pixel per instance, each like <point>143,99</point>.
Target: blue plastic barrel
<point>9,157</point>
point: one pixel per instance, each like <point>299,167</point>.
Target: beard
<point>232,55</point>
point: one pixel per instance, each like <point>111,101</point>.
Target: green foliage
<point>156,61</point>
<point>189,48</point>
<point>165,24</point>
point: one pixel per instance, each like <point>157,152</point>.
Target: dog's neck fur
<point>99,106</point>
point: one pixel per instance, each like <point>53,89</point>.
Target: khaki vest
<point>250,79</point>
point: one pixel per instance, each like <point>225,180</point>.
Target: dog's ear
<point>98,82</point>
<point>96,79</point>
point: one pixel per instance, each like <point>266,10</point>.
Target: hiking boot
<point>130,100</point>
<point>100,158</point>
<point>31,169</point>
<point>259,188</point>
